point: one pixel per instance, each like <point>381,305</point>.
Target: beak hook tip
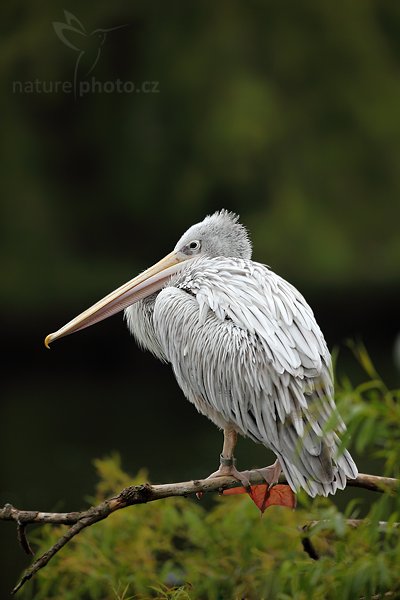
<point>47,341</point>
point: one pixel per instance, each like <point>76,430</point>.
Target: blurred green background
<point>287,113</point>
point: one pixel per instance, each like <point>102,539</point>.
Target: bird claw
<point>227,468</point>
<point>271,474</point>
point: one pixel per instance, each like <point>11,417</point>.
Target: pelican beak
<point>141,286</point>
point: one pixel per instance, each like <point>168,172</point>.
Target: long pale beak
<point>141,286</point>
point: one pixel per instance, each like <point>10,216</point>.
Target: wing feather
<point>246,350</point>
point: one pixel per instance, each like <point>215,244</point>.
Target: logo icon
<point>74,35</point>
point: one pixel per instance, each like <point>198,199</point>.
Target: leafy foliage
<point>177,549</point>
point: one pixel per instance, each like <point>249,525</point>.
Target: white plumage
<point>245,349</point>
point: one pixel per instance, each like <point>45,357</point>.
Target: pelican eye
<point>195,245</point>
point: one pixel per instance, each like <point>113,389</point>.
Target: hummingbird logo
<point>73,34</point>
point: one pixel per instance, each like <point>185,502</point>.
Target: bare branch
<point>23,540</point>
<point>309,547</point>
<point>354,523</point>
<point>374,483</point>
<point>140,494</point>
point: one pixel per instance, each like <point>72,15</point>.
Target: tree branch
<point>353,523</point>
<point>140,494</point>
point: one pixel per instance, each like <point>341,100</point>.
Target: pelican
<point>245,349</point>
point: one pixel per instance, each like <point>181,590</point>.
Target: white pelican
<point>245,348</point>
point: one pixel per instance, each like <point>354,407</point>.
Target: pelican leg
<point>227,464</point>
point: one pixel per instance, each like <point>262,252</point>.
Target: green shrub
<point>177,549</point>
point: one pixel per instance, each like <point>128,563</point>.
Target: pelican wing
<point>246,349</point>
<point>262,304</point>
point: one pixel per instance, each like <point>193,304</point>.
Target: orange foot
<point>264,495</point>
<point>269,494</point>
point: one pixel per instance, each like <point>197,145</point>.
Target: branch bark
<point>140,494</point>
<point>308,545</point>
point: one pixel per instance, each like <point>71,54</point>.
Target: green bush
<point>178,549</point>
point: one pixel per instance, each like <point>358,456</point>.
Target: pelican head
<point>219,234</point>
